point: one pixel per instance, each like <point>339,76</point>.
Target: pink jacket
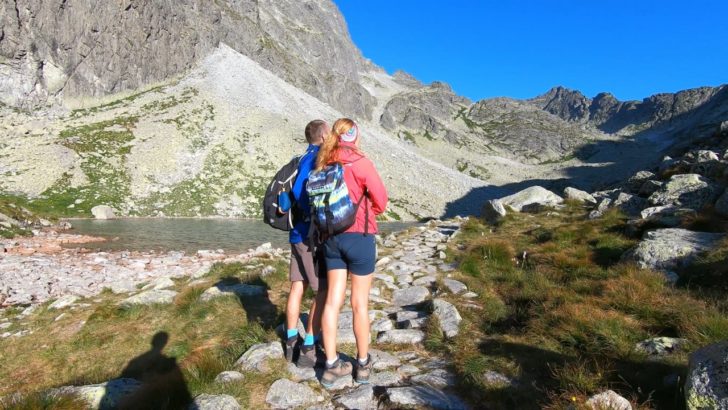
<point>360,174</point>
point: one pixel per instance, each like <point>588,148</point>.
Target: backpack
<point>332,210</point>
<point>282,182</point>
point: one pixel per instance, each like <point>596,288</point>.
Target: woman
<point>352,252</point>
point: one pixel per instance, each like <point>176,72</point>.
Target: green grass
<point>560,312</point>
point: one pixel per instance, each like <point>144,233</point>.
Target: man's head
<point>316,131</point>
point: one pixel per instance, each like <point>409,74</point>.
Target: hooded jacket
<point>360,175</point>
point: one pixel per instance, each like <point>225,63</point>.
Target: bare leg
<point>317,308</point>
<point>330,317</point>
<point>293,308</point>
<point>360,286</point>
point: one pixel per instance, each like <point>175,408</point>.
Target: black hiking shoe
<point>362,371</point>
<point>335,372</point>
<point>291,343</point>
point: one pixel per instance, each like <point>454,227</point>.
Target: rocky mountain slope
<point>187,108</point>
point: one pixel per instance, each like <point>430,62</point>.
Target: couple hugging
<point>334,196</point>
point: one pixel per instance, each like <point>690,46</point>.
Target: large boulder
<point>493,211</point>
<point>629,204</point>
<point>578,195</point>
<point>667,249</point>
<point>685,190</point>
<point>529,197</point>
<point>103,212</point>
<point>105,395</point>
<point>706,386</point>
<point>634,183</point>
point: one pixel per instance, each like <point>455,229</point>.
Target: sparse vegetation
<point>560,313</point>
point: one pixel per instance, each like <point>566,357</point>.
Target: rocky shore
<point>36,269</point>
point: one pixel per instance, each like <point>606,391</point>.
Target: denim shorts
<point>355,252</point>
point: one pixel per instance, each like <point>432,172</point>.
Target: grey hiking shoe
<point>291,343</point>
<point>309,357</point>
<point>338,370</point>
<point>362,371</point>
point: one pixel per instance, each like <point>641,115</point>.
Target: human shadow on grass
<point>161,384</point>
<point>649,380</point>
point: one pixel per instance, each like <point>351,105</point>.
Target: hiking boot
<point>338,370</point>
<point>362,371</point>
<point>291,343</point>
<point>308,357</point>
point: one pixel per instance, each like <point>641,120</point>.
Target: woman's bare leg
<point>360,285</point>
<point>330,316</point>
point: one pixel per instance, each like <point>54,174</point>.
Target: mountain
<point>187,108</point>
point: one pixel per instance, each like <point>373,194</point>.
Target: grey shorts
<point>308,266</point>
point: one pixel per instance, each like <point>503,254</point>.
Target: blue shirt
<point>308,161</point>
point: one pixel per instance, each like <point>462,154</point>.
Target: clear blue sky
<point>631,48</point>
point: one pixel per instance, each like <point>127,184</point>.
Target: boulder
<point>423,397</point>
<point>103,395</point>
<point>608,400</point>
<point>602,207</point>
<point>214,402</point>
<point>706,386</point>
<point>494,379</point>
<point>649,188</point>
<point>63,302</point>
<point>257,356</point>
<point>629,204</point>
<point>299,374</point>
<point>454,286</point>
<point>229,376</point>
<point>150,297</point>
<point>493,211</point>
<point>685,190</point>
<point>385,379</point>
<point>668,249</point>
<point>721,206</point>
<point>667,215</point>
<point>238,289</point>
<point>448,316</point>
<point>382,360</point>
<point>534,195</point>
<point>579,195</point>
<point>401,336</point>
<point>438,378</point>
<point>410,296</point>
<point>103,212</point>
<point>660,346</point>
<point>286,394</point>
<point>361,398</point>
<point>635,182</point>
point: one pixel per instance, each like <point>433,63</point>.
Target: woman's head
<point>344,130</point>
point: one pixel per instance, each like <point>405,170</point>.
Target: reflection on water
<point>188,235</point>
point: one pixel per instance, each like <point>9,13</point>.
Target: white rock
<point>103,212</point>
<point>608,400</point>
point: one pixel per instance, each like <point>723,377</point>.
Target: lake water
<point>188,235</point>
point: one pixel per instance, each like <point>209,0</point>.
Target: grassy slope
<point>564,321</point>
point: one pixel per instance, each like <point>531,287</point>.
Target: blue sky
<point>631,48</point>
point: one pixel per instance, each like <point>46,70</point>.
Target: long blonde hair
<point>329,152</point>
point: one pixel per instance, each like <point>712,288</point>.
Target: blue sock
<point>291,333</point>
<point>308,340</point>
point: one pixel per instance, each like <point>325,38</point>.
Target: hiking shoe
<point>362,371</point>
<point>291,343</point>
<point>308,357</point>
<point>338,370</point>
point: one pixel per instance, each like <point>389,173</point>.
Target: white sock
<point>330,363</point>
<point>363,361</point>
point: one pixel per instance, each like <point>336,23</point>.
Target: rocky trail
<point>412,287</point>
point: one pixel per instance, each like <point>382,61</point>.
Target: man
<point>306,268</point>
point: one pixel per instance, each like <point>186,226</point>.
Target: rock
<point>103,395</point>
<point>635,182</point>
<point>341,384</point>
<point>385,379</point>
<point>608,400</point>
<point>470,295</point>
<point>299,374</point>
<point>629,204</point>
<point>285,394</point>
<point>438,378</point>
<point>257,356</point>
<point>103,212</point>
<point>454,286</point>
<point>702,156</point>
<point>602,207</point>
<point>668,249</point>
<point>660,346</point>
<point>383,261</point>
<point>685,190</point>
<point>401,336</point>
<point>649,188</point>
<point>408,370</point>
<point>534,195</point>
<point>448,316</point>
<point>239,290</point>
<point>493,211</point>
<point>578,195</point>
<point>123,286</point>
<point>495,379</point>
<point>63,302</point>
<point>424,281</point>
<point>721,206</point>
<point>423,396</point>
<point>410,296</point>
<point>361,398</point>
<point>381,325</point>
<point>214,402</point>
<point>229,376</point>
<point>160,283</point>
<point>382,360</point>
<point>151,297</point>
<point>706,386</point>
